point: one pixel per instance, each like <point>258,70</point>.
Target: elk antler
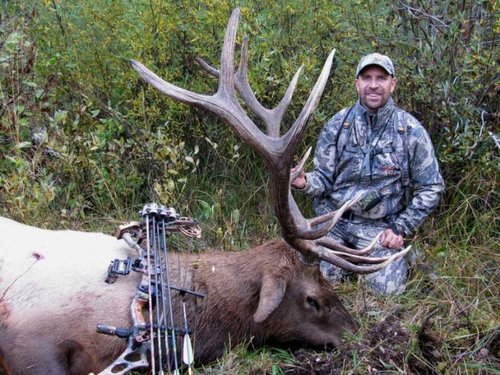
<point>305,235</point>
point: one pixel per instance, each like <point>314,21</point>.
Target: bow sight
<point>152,341</point>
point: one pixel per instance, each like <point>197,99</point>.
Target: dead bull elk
<point>52,293</point>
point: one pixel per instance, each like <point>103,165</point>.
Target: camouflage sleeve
<point>320,180</point>
<point>426,183</point>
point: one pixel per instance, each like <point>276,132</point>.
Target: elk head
<point>304,235</point>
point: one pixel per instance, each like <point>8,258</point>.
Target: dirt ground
<point>390,348</point>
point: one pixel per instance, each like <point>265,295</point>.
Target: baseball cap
<point>376,59</point>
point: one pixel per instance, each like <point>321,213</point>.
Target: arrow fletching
<point>187,351</point>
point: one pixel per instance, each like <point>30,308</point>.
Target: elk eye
<point>313,302</point>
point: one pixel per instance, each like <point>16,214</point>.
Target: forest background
<point>84,144</point>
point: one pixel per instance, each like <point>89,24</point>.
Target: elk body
<point>53,294</point>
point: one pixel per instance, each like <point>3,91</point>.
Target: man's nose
<point>372,83</point>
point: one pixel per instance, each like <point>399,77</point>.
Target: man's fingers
<point>391,240</point>
<point>396,243</point>
<point>382,238</point>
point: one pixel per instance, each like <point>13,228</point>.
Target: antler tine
<point>295,133</point>
<point>310,249</point>
<point>209,68</point>
<point>317,227</point>
<point>362,259</point>
<point>300,166</point>
<point>226,79</point>
<point>322,225</point>
<point>280,110</point>
<point>332,257</point>
<point>330,243</point>
<point>173,91</point>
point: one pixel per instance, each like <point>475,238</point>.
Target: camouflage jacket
<point>359,151</point>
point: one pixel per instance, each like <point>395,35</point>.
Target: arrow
<point>187,347</point>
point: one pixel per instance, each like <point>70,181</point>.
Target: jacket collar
<point>380,117</point>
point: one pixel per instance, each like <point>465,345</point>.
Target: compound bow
<point>152,342</point>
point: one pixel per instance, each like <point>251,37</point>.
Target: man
<point>382,150</point>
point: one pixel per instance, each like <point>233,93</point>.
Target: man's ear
<point>356,85</point>
<point>394,83</point>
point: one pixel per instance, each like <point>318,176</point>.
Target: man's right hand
<point>300,181</point>
<point>391,240</point>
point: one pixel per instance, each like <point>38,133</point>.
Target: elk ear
<point>271,295</point>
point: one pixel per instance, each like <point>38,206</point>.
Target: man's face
<point>375,86</point>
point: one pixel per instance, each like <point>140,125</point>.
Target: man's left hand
<point>391,240</point>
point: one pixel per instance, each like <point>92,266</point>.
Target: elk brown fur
<point>53,294</point>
